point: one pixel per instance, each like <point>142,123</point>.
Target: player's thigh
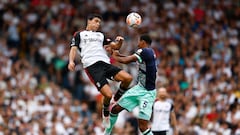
<point>111,71</point>
<point>146,103</point>
<point>129,100</point>
<point>97,75</point>
<point>123,76</point>
<point>106,91</point>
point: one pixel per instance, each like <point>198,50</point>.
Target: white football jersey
<point>161,115</point>
<point>91,48</point>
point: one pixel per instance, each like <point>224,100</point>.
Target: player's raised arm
<point>117,44</point>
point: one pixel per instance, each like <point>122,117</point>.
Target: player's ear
<point>87,22</point>
<point>143,42</point>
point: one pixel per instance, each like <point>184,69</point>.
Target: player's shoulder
<point>77,32</point>
<point>139,51</point>
<point>147,50</point>
<point>99,33</point>
<point>142,50</point>
<point>167,101</point>
<point>170,101</point>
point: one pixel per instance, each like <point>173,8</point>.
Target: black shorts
<point>100,71</point>
<point>160,132</point>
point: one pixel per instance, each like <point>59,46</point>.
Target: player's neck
<point>89,29</point>
<point>162,99</point>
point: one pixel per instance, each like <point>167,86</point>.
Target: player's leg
<point>125,79</point>
<point>143,126</point>
<point>97,76</point>
<point>129,101</point>
<point>145,110</point>
<point>119,75</point>
<point>113,118</point>
<point>107,93</point>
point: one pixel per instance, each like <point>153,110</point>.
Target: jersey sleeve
<point>172,107</point>
<point>75,40</point>
<point>138,55</point>
<point>106,41</point>
<point>142,55</point>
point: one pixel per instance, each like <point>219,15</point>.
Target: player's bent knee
<point>106,91</point>
<point>143,128</point>
<point>124,77</point>
<point>116,109</point>
<point>127,78</point>
<point>143,125</point>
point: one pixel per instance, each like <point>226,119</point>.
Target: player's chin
<point>116,49</point>
<point>95,28</point>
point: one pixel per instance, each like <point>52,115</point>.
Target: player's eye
<point>97,21</point>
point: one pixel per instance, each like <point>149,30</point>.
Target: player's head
<point>145,41</point>
<point>162,93</point>
<point>93,22</point>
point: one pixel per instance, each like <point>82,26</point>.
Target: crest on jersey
<point>139,51</point>
<point>73,41</point>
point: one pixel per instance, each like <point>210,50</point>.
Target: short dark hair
<point>91,16</point>
<point>146,38</point>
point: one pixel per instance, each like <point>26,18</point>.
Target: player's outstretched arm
<point>72,54</point>
<point>123,59</point>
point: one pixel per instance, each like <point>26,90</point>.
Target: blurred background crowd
<point>198,55</point>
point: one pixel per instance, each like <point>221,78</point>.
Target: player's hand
<point>71,66</point>
<point>119,39</point>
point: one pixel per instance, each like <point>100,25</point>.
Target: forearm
<point>72,54</point>
<point>122,55</point>
<point>174,123</point>
<point>119,58</point>
<point>125,59</point>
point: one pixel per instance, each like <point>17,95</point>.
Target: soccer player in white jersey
<point>143,94</point>
<point>93,47</point>
<point>163,116</point>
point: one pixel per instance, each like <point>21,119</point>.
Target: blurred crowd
<point>198,55</point>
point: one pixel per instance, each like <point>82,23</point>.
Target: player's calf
<point>119,93</point>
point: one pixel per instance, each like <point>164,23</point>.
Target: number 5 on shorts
<point>144,104</point>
